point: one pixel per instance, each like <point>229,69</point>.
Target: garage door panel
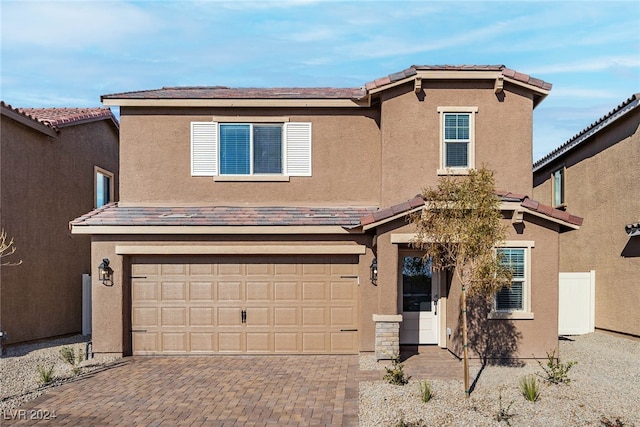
<point>314,291</point>
<point>201,291</point>
<point>173,316</point>
<point>258,342</point>
<point>202,317</point>
<point>343,317</point>
<point>202,342</point>
<point>286,342</point>
<point>343,342</point>
<point>230,269</point>
<point>174,342</point>
<point>293,305</point>
<point>229,316</point>
<point>173,291</point>
<point>202,269</point>
<point>258,291</point>
<point>342,291</point>
<point>285,316</point>
<point>230,342</point>
<point>230,291</point>
<point>145,343</point>
<point>145,269</point>
<point>286,291</point>
<point>144,291</point>
<point>314,342</point>
<point>145,317</point>
<point>173,269</point>
<point>313,316</point>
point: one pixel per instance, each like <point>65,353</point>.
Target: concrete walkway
<point>221,391</point>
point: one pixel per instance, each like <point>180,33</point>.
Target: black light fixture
<point>105,272</point>
<point>374,271</point>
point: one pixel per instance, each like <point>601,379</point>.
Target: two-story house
<point>56,164</point>
<point>274,220</point>
<point>595,174</point>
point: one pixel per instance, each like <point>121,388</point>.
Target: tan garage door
<point>210,305</point>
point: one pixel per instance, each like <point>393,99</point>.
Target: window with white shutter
<point>250,149</point>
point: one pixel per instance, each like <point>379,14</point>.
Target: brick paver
<point>222,391</point>
<point>205,391</point>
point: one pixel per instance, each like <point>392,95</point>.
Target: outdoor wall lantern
<point>374,271</point>
<point>105,272</point>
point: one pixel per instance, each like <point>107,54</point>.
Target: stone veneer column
<point>387,335</point>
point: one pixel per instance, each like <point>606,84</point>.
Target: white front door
<point>419,302</point>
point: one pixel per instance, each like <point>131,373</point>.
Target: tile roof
<point>633,229</point>
<point>413,70</point>
<point>114,215</point>
<point>223,92</point>
<point>505,196</point>
<point>625,107</point>
<point>61,117</point>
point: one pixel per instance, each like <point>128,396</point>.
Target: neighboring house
<point>56,164</point>
<point>275,220</point>
<point>596,174</point>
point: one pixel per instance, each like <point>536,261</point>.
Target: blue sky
<point>67,54</point>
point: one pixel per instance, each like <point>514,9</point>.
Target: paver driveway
<point>205,391</point>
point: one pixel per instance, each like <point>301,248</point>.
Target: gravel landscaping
<point>19,377</point>
<point>605,385</point>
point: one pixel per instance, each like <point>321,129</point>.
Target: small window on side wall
<point>557,187</point>
<point>103,187</point>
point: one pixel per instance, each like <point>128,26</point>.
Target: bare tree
<point>459,230</point>
<point>7,248</point>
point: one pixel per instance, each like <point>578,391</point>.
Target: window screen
<point>511,299</point>
<point>267,149</point>
<point>235,149</point>
<point>456,139</point>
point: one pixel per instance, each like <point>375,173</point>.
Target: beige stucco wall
<point>156,160</point>
<point>45,183</point>
<point>601,185</point>
<point>521,338</point>
<point>411,135</point>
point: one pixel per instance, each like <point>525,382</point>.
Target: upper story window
<point>237,150</point>
<point>457,139</point>
<point>557,188</point>
<point>103,187</point>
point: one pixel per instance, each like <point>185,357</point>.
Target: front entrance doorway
<point>419,304</point>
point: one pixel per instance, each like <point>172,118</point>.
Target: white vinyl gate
<point>576,313</point>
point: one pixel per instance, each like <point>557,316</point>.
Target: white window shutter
<point>204,148</point>
<point>298,148</point>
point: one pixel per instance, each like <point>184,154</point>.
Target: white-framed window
<point>557,188</point>
<point>515,301</point>
<point>457,139</point>
<point>250,149</point>
<point>103,187</point>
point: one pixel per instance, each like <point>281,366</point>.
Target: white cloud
<point>71,25</point>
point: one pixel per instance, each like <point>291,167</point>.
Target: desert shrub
<point>529,388</point>
<point>555,371</point>
<point>395,373</point>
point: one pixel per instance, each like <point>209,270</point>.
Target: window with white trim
<point>513,298</point>
<point>250,149</point>
<point>457,139</point>
<point>103,187</point>
<point>557,188</point>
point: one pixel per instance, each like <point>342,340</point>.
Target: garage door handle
<point>138,330</point>
<point>243,315</point>
<point>348,330</point>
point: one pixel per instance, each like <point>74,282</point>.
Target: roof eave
<point>30,122</point>
<point>237,102</point>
